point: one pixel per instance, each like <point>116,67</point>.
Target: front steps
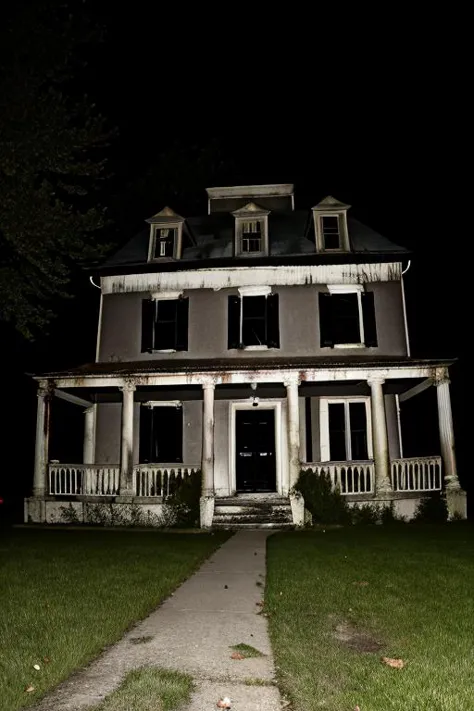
<point>252,511</point>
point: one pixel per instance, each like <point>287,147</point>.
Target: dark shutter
<point>273,321</point>
<point>148,325</point>
<point>182,316</point>
<point>368,313</point>
<point>233,323</point>
<point>146,433</point>
<point>325,320</point>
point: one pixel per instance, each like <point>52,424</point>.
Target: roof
<point>289,237</point>
<point>250,191</point>
<point>238,364</point>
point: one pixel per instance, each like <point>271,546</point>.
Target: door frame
<point>324,403</point>
<point>262,405</point>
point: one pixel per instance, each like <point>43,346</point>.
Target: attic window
<point>251,231</point>
<point>251,236</point>
<point>330,226</point>
<point>165,240</point>
<point>166,235</point>
<point>330,231</point>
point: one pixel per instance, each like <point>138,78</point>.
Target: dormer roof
<point>330,203</point>
<point>167,214</point>
<point>251,208</point>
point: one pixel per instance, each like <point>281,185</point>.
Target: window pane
<point>164,242</point>
<point>337,432</point>
<point>345,315</point>
<point>167,310</point>
<point>167,434</point>
<point>358,422</point>
<point>254,320</point>
<point>330,228</point>
<point>165,325</point>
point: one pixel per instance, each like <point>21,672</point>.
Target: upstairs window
<point>253,322</point>
<point>251,238</point>
<point>161,434</point>
<point>165,325</point>
<point>251,230</point>
<point>165,242</point>
<point>347,318</point>
<point>330,232</point>
<point>330,226</point>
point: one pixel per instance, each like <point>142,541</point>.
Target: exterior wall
<point>299,325</point>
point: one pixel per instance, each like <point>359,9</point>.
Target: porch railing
<point>84,479</point>
<point>349,477</point>
<point>160,479</point>
<point>417,474</point>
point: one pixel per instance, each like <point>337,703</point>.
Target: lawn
<point>338,601</point>
<point>65,595</point>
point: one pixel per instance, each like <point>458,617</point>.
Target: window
<point>165,241</point>
<point>251,236</point>
<point>253,321</point>
<point>347,318</point>
<point>345,430</point>
<point>330,232</point>
<point>161,434</point>
<point>165,325</point>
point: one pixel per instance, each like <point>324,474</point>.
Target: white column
<point>379,436</point>
<point>40,480</point>
<point>89,435</point>
<point>446,431</point>
<point>207,461</point>
<point>126,454</point>
<point>293,429</point>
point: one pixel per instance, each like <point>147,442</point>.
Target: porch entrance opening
<point>255,450</point>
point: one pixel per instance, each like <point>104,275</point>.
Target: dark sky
<point>370,110</point>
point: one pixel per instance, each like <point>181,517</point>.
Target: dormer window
<point>251,231</point>
<point>330,226</point>
<point>166,233</point>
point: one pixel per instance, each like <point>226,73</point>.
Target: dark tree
<point>52,160</point>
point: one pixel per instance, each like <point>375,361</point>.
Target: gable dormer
<point>251,231</point>
<point>166,235</point>
<point>330,226</point>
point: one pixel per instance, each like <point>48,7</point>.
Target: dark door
<point>255,450</point>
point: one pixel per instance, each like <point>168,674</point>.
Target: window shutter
<point>146,433</point>
<point>273,321</point>
<point>148,325</point>
<point>233,323</point>
<point>182,316</point>
<point>368,314</point>
<point>325,320</point>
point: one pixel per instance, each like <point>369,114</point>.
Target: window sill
<point>163,350</point>
<point>255,348</point>
<point>349,345</point>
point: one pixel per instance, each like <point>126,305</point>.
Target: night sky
<point>200,100</point>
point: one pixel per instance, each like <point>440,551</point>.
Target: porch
<point>302,409</point>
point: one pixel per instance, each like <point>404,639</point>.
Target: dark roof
<point>229,364</point>
<point>211,237</point>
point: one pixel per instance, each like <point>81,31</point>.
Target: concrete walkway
<point>192,632</point>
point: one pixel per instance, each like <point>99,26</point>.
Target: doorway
<point>255,450</point>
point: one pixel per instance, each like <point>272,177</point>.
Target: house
<point>248,343</point>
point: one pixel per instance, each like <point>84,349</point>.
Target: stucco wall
<point>299,325</point>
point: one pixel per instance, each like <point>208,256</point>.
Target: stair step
<point>231,526</point>
<point>249,519</point>
<point>225,509</point>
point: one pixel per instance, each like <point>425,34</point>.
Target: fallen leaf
<point>36,666</point>
<point>260,603</point>
<point>362,583</point>
<point>394,663</point>
<point>224,703</point>
<point>46,660</point>
<point>29,688</point>
<point>237,655</point>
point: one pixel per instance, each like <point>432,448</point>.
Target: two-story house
<point>248,343</point>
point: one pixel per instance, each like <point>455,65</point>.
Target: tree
<point>52,160</point>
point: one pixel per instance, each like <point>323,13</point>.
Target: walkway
<point>193,631</point>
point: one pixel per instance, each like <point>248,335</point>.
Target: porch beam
<point>40,479</point>
<point>72,398</point>
<point>380,437</point>
<point>126,449</point>
<point>415,390</point>
<point>207,461</point>
<point>293,429</point>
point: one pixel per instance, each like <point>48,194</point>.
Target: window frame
<point>344,245</point>
<point>324,433</point>
<point>170,404</point>
<point>155,299</point>
<point>154,238</point>
<point>251,213</point>
<point>344,289</point>
<point>249,292</point>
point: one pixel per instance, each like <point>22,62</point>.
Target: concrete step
<point>225,509</point>
<point>237,526</point>
<point>249,518</point>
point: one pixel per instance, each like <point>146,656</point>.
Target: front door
<point>255,450</point>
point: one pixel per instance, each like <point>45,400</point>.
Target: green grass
<point>65,595</point>
<point>149,689</point>
<point>246,650</point>
<point>403,591</point>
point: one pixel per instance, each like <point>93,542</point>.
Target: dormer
<point>166,235</point>
<point>251,231</point>
<point>330,226</point>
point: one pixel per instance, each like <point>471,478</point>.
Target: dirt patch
<point>140,640</point>
<point>356,639</point>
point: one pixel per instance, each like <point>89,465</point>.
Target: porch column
<point>379,436</point>
<point>40,479</point>
<point>207,461</point>
<point>293,428</point>
<point>126,454</point>
<point>446,430</point>
<point>89,435</point>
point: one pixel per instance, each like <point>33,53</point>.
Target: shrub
<point>325,504</point>
<point>182,506</point>
<point>388,515</point>
<point>432,509</point>
<point>365,514</point>
<point>68,514</point>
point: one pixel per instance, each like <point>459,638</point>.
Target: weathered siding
<point>299,325</point>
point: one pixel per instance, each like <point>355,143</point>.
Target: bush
<point>388,515</point>
<point>365,514</point>
<point>325,504</point>
<point>182,506</point>
<point>432,509</point>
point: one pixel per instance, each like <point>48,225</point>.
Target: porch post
<point>89,435</point>
<point>126,455</point>
<point>446,430</point>
<point>379,436</point>
<point>40,480</point>
<point>293,428</point>
<point>207,462</point>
